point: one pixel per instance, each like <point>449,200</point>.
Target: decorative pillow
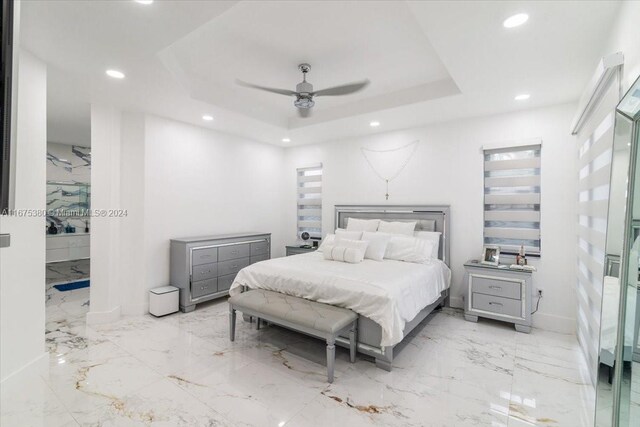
<point>355,224</point>
<point>345,250</point>
<point>433,236</point>
<point>405,228</point>
<point>377,244</point>
<point>341,233</point>
<point>328,240</point>
<point>409,249</point>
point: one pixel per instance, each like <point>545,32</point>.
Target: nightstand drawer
<point>497,305</point>
<point>496,286</point>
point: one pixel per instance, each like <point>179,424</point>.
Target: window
<point>309,190</point>
<point>512,199</point>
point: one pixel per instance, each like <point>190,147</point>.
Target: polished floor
<point>181,370</point>
<point>66,271</point>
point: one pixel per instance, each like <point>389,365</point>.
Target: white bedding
<point>388,292</point>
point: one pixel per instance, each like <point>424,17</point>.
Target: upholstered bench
<point>309,317</point>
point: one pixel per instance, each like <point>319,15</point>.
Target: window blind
<point>595,151</point>
<point>309,192</point>
<point>512,198</point>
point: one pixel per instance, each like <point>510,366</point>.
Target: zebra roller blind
<point>309,191</point>
<point>595,149</point>
<point>512,198</point>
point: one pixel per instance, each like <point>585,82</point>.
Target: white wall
<point>203,182</point>
<point>625,38</point>
<point>22,279</point>
<point>174,180</point>
<point>448,169</point>
<point>105,294</point>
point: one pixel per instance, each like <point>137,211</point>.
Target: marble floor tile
<point>28,401</point>
<point>67,271</point>
<point>159,404</point>
<point>183,370</point>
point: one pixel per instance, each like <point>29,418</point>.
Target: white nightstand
<point>498,293</point>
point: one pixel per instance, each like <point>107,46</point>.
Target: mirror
<point>618,381</point>
<point>620,159</point>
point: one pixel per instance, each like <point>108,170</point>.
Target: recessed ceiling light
<point>286,140</point>
<point>374,124</point>
<point>522,97</point>
<point>207,117</point>
<point>115,74</point>
<point>515,20</point>
<point>144,1</point>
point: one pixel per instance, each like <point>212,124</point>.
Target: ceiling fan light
<point>303,102</point>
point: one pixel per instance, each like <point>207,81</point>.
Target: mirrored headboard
<point>429,218</point>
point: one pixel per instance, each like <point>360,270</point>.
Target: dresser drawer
<point>496,286</point>
<point>497,305</point>
<point>260,248</point>
<point>204,287</point>
<point>204,271</point>
<point>232,266</point>
<point>225,282</point>
<point>204,256</point>
<point>259,258</point>
<point>234,252</point>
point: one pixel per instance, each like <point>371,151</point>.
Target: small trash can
<point>164,300</point>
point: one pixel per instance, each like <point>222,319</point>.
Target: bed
<point>391,297</point>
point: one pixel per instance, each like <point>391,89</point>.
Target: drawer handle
<point>235,266</point>
<point>495,303</point>
<point>495,287</point>
<point>205,256</point>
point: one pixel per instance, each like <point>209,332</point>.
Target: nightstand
<point>296,250</point>
<point>498,293</point>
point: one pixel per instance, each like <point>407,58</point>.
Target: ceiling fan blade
<point>304,112</point>
<point>267,89</point>
<point>342,90</point>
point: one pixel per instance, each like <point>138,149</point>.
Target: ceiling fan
<point>304,91</point>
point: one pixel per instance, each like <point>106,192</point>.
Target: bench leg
<point>353,341</point>
<point>257,323</point>
<point>331,358</point>
<point>232,323</point>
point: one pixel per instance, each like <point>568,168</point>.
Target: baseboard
<point>99,317</point>
<point>550,322</point>
<point>38,366</point>
<point>135,309</point>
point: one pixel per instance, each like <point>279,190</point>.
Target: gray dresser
<point>204,267</point>
<point>498,293</point>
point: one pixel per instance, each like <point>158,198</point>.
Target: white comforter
<point>388,292</point>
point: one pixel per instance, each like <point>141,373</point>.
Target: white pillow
<point>433,236</point>
<point>341,233</point>
<point>345,250</point>
<point>328,240</point>
<point>355,224</point>
<point>405,228</point>
<point>377,245</point>
<point>409,249</point>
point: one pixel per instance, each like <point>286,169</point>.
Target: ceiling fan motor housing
<point>304,87</point>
